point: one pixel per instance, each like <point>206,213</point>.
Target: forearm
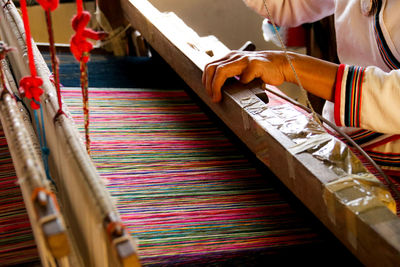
<point>316,76</point>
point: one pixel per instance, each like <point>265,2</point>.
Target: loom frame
<point>70,160</point>
<point>46,220</point>
<point>373,236</point>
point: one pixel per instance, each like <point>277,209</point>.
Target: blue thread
<point>43,144</point>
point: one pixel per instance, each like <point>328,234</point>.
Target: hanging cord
<point>85,99</point>
<point>49,6</point>
<point>114,35</point>
<point>30,88</point>
<point>285,51</point>
<point>80,48</point>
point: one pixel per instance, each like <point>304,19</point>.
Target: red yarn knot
<point>80,47</point>
<point>29,87</point>
<point>48,4</point>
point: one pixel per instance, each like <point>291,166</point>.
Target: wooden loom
<point>330,197</point>
<point>360,227</point>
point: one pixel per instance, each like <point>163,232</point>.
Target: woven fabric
<point>17,244</point>
<point>184,190</point>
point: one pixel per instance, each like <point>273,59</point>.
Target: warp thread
<point>48,6</point>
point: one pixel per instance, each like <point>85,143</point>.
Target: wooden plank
<point>372,234</point>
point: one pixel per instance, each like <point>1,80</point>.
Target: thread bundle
<point>182,188</point>
<point>17,244</point>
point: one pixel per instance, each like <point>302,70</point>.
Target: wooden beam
<point>370,230</point>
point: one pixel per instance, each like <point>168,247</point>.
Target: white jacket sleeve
<point>368,98</point>
<point>293,13</point>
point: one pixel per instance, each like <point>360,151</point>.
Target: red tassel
<point>30,87</point>
<point>80,46</point>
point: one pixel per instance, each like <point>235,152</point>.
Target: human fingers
<point>203,78</point>
<point>222,73</point>
<point>266,65</point>
<point>211,69</point>
<point>253,70</point>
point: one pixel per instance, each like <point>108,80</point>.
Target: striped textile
<point>17,245</point>
<point>385,159</point>
<point>386,54</point>
<point>185,191</point>
<point>374,143</point>
<point>353,96</point>
<point>364,136</point>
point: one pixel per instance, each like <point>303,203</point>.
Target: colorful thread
<point>48,6</point>
<point>80,48</point>
<point>30,85</point>
<point>17,244</point>
<point>85,101</point>
<point>181,187</point>
<point>353,94</point>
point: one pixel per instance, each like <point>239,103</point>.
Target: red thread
<point>85,99</point>
<point>80,47</point>
<point>79,6</point>
<point>48,4</point>
<point>28,37</point>
<point>54,63</point>
<point>29,86</point>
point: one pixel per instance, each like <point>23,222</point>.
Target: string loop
<point>80,46</point>
<point>29,86</point>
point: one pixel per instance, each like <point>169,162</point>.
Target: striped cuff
<point>348,94</point>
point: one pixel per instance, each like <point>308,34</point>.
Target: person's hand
<point>267,65</point>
